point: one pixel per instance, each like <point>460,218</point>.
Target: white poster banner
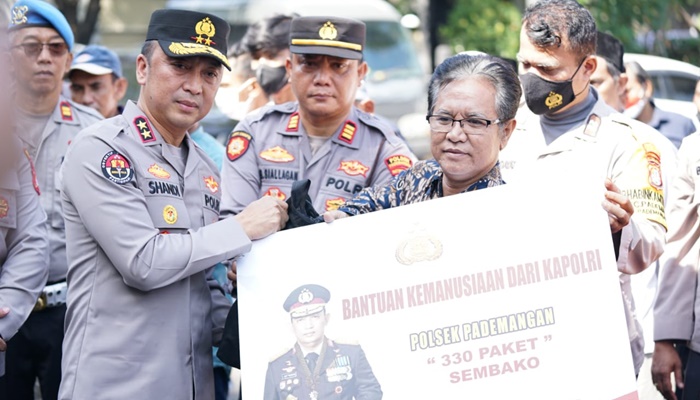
<point>508,292</point>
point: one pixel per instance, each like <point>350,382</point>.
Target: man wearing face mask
<point>567,132</point>
<point>269,46</point>
<point>239,92</point>
<point>640,106</point>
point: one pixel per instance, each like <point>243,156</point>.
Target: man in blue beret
<point>40,45</point>
<point>317,367</point>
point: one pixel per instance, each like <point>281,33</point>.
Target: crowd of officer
<point>120,223</point>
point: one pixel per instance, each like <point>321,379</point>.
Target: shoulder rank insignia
<point>334,204</point>
<point>66,111</point>
<point>237,145</point>
<point>158,171</point>
<point>293,124</point>
<point>4,207</point>
<point>353,168</point>
<point>398,163</point>
<point>275,192</point>
<point>117,168</point>
<point>277,154</point>
<point>35,181</point>
<point>348,132</point>
<point>592,126</point>
<point>211,184</point>
<point>144,129</point>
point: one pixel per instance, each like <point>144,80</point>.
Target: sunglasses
<point>31,50</point>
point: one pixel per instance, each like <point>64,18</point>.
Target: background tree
<point>83,28</point>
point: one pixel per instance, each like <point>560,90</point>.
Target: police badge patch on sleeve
<point>117,168</point>
<point>237,145</point>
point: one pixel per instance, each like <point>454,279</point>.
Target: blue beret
<point>27,13</point>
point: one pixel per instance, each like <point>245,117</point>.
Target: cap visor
<point>326,51</point>
<point>181,50</point>
<point>92,69</point>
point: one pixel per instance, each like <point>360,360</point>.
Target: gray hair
<point>495,70</point>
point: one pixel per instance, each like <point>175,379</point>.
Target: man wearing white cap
<point>96,80</point>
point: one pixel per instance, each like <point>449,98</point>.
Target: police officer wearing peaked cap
<point>317,367</point>
<point>321,137</point>
<point>40,43</point>
<point>142,208</point>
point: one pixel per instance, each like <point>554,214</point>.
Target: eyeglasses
<point>33,49</point>
<point>471,125</point>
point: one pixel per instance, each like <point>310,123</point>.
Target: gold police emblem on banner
<point>553,100</point>
<point>205,28</point>
<point>418,246</point>
<point>19,15</point>
<point>170,214</point>
<point>328,31</point>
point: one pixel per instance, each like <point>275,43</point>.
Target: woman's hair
<point>493,69</point>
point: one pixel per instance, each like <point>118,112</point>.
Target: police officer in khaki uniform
<point>141,202</point>
<point>323,136</point>
<point>318,367</point>
<point>567,132</point>
<point>23,244</point>
<point>41,41</point>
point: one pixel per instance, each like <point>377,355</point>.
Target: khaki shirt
<point>67,120</point>
<point>606,147</point>
<point>678,303</point>
<point>24,248</point>
<point>143,308</point>
<point>270,149</point>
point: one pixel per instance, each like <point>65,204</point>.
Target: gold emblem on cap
<point>19,15</point>
<point>205,28</point>
<point>328,31</point>
<point>305,296</point>
<point>553,100</point>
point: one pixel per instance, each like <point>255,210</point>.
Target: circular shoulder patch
<point>117,168</point>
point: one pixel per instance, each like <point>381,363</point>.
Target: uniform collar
<point>142,129</point>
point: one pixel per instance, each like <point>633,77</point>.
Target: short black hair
<point>148,48</point>
<point>549,22</point>
<point>269,36</point>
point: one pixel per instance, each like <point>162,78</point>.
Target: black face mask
<point>271,79</point>
<point>547,97</point>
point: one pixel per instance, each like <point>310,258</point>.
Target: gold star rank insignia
<point>144,129</point>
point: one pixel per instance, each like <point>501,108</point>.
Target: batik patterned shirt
<point>421,182</point>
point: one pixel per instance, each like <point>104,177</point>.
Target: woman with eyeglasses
<point>472,101</point>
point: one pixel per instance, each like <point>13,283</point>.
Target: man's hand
<point>664,362</point>
<point>3,312</point>
<point>263,217</point>
<point>232,273</point>
<point>618,206</point>
<point>330,216</point>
